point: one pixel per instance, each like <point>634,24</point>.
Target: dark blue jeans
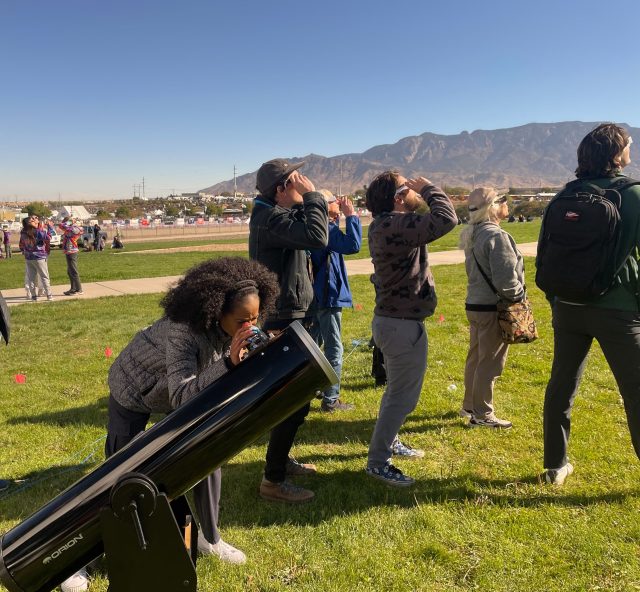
<point>327,330</point>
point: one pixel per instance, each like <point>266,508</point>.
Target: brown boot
<point>284,492</point>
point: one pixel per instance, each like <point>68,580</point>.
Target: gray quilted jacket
<point>165,365</point>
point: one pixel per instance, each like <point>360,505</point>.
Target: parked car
<point>55,239</point>
<point>88,238</point>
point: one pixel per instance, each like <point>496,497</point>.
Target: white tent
<point>79,212</point>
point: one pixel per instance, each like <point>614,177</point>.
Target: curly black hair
<point>211,289</point>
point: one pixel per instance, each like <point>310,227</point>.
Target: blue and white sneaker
<point>390,475</point>
<point>400,449</point>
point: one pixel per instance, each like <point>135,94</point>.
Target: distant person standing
<point>405,295</point>
<point>289,218</point>
<point>96,237</point>
<point>332,291</point>
<point>6,241</point>
<point>35,246</point>
<point>70,234</point>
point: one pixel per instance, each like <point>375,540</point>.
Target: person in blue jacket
<point>332,291</point>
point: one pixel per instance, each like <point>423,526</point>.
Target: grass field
<point>110,265</point>
<point>478,518</point>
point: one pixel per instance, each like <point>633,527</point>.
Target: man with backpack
<point>588,266</point>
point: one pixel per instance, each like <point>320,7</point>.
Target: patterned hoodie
<point>37,248</point>
<point>70,235</point>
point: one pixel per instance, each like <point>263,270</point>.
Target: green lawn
<point>108,265</point>
<point>478,519</point>
<point>111,265</point>
<point>525,232</point>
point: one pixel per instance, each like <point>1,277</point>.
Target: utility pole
<point>143,195</point>
<point>235,187</point>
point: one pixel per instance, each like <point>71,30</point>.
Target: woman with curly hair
<point>208,317</point>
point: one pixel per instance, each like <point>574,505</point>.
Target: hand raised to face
<point>418,184</point>
<point>346,206</point>
<point>300,183</point>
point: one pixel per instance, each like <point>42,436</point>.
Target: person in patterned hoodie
<point>405,296</point>
<point>70,234</point>
<point>35,246</point>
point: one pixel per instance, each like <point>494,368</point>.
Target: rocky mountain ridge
<point>531,155</point>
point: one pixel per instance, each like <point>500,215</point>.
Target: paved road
<point>160,284</point>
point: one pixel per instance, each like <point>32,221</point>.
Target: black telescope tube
<point>176,453</point>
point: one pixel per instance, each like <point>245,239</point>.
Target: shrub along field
<point>478,517</point>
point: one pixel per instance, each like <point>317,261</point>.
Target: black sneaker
<point>390,475</point>
<point>69,292</point>
<point>296,469</point>
<point>337,406</point>
<point>4,484</point>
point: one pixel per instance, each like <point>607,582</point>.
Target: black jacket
<point>279,238</point>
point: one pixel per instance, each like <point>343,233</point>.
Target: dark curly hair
<point>211,289</point>
<point>381,192</point>
<point>599,151</point>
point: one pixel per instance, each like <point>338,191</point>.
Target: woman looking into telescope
<point>208,319</point>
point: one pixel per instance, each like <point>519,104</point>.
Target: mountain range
<point>531,155</point>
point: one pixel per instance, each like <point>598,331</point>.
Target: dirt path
<point>212,247</point>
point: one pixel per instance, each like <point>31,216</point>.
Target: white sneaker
<point>78,582</point>
<point>558,476</point>
<point>490,422</point>
<point>223,551</point>
<point>465,413</point>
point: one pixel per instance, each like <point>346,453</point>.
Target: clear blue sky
<point>96,94</point>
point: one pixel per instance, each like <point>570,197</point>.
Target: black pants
<point>124,425</point>
<point>575,328</point>
<point>283,435</point>
<point>72,272</point>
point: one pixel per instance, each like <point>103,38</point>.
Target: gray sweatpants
<point>36,268</point>
<point>404,346</point>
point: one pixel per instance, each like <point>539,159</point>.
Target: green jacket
<point>625,293</point>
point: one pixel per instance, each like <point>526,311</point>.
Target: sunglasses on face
<point>501,200</point>
<point>403,189</point>
<point>286,182</point>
